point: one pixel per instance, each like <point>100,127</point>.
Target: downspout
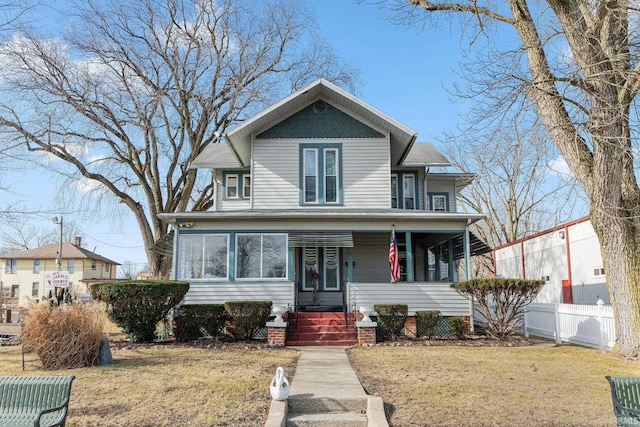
<point>524,273</point>
<point>215,190</point>
<point>568,247</point>
<point>426,192</point>
<point>467,268</point>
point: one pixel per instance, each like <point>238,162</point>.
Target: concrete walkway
<point>325,372</point>
<point>325,391</point>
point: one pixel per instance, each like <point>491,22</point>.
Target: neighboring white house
<point>307,193</point>
<point>567,257</point>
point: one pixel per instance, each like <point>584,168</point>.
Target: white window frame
<point>227,187</point>
<point>598,272</point>
<point>203,255</point>
<point>336,174</point>
<point>439,197</point>
<point>36,266</point>
<point>397,206</point>
<point>304,174</point>
<point>261,278</point>
<point>246,186</point>
<point>411,177</point>
<point>35,289</point>
<point>71,265</point>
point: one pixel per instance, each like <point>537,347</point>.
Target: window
<point>599,271</point>
<point>203,256</point>
<point>439,202</point>
<point>409,191</point>
<point>261,256</point>
<point>545,278</point>
<point>35,289</point>
<point>321,171</point>
<point>237,185</point>
<point>14,291</point>
<point>321,265</point>
<point>404,193</point>
<point>246,186</point>
<point>11,266</point>
<point>70,265</point>
<point>93,264</point>
<point>106,267</point>
<point>36,266</point>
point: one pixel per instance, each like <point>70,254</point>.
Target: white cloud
<point>560,167</point>
<point>86,185</point>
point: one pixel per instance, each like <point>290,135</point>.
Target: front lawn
<point>168,385</point>
<point>530,386</point>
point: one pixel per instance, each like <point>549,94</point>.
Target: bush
<point>66,336</point>
<point>392,317</point>
<point>426,322</point>
<point>501,301</point>
<point>191,320</point>
<point>137,306</point>
<point>458,326</point>
<point>247,317</point>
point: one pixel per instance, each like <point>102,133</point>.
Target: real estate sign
<point>56,279</point>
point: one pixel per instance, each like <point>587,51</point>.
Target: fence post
<point>603,344</point>
<point>556,312</point>
<point>525,323</point>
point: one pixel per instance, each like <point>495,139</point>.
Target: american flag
<point>393,257</point>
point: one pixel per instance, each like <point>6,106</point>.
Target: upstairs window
<point>11,266</point>
<point>321,171</point>
<point>36,266</point>
<point>439,202</point>
<point>404,194</point>
<point>237,185</point>
<point>71,265</point>
<point>93,264</point>
<point>598,271</point>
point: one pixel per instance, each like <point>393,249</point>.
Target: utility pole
<point>61,222</point>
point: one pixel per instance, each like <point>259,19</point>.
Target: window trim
<point>285,276</point>
<point>400,190</point>
<point>180,275</point>
<point>438,193</point>
<point>240,185</point>
<point>320,150</point>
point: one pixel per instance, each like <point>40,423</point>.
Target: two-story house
<point>307,193</point>
<point>24,272</point>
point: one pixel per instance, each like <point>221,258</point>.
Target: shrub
<point>66,336</point>
<point>501,301</point>
<point>191,320</point>
<point>458,326</point>
<point>137,306</point>
<point>426,322</point>
<point>392,317</point>
<point>247,317</point>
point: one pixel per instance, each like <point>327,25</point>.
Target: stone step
<point>324,328</point>
<point>337,343</point>
<point>326,404</point>
<point>323,315</point>
<point>329,419</point>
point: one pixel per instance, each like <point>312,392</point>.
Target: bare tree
<point>516,187</point>
<point>576,63</point>
<point>127,270</point>
<point>139,88</point>
<point>18,234</point>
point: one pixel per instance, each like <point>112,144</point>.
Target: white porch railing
<point>585,325</point>
<point>417,296</point>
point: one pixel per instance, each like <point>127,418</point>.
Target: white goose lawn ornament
<point>279,385</point>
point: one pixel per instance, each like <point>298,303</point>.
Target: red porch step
<point>322,328</point>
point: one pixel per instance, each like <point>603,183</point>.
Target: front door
<point>320,276</point>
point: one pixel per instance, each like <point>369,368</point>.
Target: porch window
<point>203,256</point>
<point>261,256</point>
<point>331,270</point>
<point>321,171</point>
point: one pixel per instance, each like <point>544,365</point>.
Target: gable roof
<point>425,154</point>
<point>69,250</point>
<point>239,138</point>
<point>216,156</point>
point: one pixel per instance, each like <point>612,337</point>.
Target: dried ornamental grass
<point>66,336</point>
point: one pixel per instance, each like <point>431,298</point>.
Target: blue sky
<point>404,73</point>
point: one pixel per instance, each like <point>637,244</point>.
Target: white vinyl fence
<point>585,325</point>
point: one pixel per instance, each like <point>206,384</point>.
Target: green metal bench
<point>34,401</point>
<point>625,392</point>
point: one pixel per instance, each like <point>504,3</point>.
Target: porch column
<point>349,264</point>
<point>290,273</point>
<point>409,257</point>
<point>451,266</point>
